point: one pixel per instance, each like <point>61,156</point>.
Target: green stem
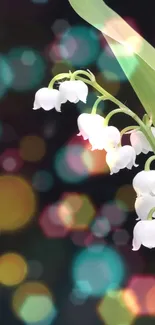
<point>58,77</point>
<point>99,99</point>
<point>151,214</point>
<point>144,128</point>
<point>85,73</point>
<point>129,128</point>
<point>148,162</point>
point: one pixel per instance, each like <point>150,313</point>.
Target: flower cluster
<point>144,231</point>
<point>95,128</point>
<point>73,91</point>
<point>91,127</point>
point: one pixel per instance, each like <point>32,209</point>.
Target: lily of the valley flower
<point>73,90</point>
<point>47,99</point>
<point>89,124</point>
<point>143,206</point>
<point>106,138</point>
<point>121,157</point>
<point>140,143</point>
<point>144,234</point>
<point>91,127</point>
<point>144,182</point>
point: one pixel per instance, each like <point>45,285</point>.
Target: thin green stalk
<point>58,77</point>
<point>129,128</point>
<point>148,162</point>
<point>95,85</point>
<point>143,127</point>
<point>85,73</point>
<point>151,214</point>
<point>99,99</point>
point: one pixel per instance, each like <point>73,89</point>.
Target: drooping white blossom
<point>121,157</point>
<point>47,99</point>
<point>144,234</point>
<point>91,127</point>
<point>143,206</point>
<point>73,90</point>
<point>106,138</point>
<point>89,124</point>
<point>140,143</point>
<point>144,182</point>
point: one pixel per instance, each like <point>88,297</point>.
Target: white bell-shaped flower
<point>144,234</point>
<point>144,182</point>
<point>106,138</point>
<point>140,143</point>
<point>73,90</point>
<point>143,206</point>
<point>47,99</point>
<point>121,157</point>
<point>89,124</point>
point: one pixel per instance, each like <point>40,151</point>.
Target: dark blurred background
<point>65,224</point>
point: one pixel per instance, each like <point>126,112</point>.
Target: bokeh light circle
<point>6,75</point>
<point>143,287</point>
<point>42,181</point>
<point>120,237</point>
<point>150,298</point>
<point>114,212</point>
<point>80,45</point>
<point>125,197</point>
<point>33,304</point>
<point>11,161</point>
<point>109,81</point>
<point>59,26</point>
<point>28,68</point>
<point>51,223</point>
<point>59,65</point>
<point>84,238</point>
<point>32,148</point>
<point>77,298</point>
<point>107,62</point>
<point>69,165</point>
<point>101,227</point>
<point>112,309</point>
<point>98,269</point>
<point>13,269</point>
<point>17,203</point>
<point>76,211</point>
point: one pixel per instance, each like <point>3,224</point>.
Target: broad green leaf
<point>134,54</point>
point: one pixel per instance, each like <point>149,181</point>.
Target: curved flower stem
<point>148,162</point>
<point>85,80</point>
<point>99,99</point>
<point>150,214</point>
<point>59,77</point>
<point>144,128</point>
<point>129,128</point>
<point>85,73</point>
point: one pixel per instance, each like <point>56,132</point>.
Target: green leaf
<point>134,54</point>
